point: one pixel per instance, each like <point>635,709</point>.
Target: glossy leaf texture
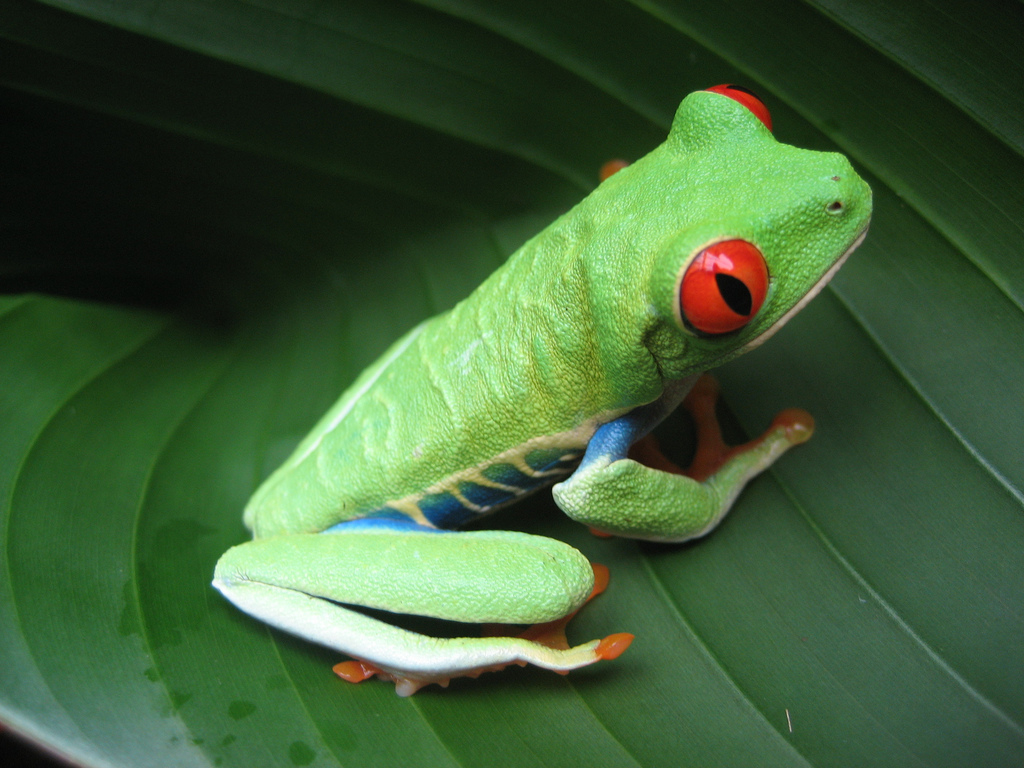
<point>214,215</point>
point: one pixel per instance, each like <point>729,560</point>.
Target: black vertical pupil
<point>734,293</point>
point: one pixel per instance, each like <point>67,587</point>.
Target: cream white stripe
<point>815,290</point>
<point>466,502</point>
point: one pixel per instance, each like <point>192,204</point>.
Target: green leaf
<point>214,215</point>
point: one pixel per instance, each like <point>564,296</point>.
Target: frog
<point>552,373</point>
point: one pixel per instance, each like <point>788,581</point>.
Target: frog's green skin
<point>580,329</point>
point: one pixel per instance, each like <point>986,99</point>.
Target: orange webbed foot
<point>712,450</point>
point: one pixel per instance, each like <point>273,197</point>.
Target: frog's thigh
<point>296,582</point>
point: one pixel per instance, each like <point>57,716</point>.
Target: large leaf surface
<point>215,214</point>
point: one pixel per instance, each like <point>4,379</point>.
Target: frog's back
<point>469,410</point>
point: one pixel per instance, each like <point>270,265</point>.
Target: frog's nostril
<point>835,206</point>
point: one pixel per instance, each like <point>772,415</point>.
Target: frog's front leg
<point>657,501</point>
<point>302,583</point>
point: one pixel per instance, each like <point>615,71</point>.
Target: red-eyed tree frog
<point>553,371</point>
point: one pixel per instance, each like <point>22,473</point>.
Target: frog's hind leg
<point>305,583</point>
<point>552,633</point>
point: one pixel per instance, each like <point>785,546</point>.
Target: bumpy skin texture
<point>579,329</point>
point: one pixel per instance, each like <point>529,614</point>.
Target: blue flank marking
<point>611,441</point>
<point>483,496</point>
<point>382,520</point>
<point>543,459</point>
<point>445,511</point>
<point>506,474</point>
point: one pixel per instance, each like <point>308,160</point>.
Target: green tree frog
<point>552,372</point>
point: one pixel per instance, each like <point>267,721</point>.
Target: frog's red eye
<point>724,287</point>
<point>748,99</point>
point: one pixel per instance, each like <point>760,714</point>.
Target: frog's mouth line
<point>815,290</point>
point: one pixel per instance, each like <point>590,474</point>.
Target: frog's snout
<point>847,192</point>
<point>839,197</point>
<point>836,207</point>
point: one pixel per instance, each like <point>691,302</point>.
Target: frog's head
<point>766,226</point>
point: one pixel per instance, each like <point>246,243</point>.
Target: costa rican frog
<point>552,371</point>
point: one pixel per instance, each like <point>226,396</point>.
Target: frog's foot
<point>789,427</point>
<point>312,585</point>
<point>635,491</point>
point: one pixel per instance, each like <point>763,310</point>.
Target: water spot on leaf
<point>173,550</point>
<point>300,753</point>
<point>238,709</point>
